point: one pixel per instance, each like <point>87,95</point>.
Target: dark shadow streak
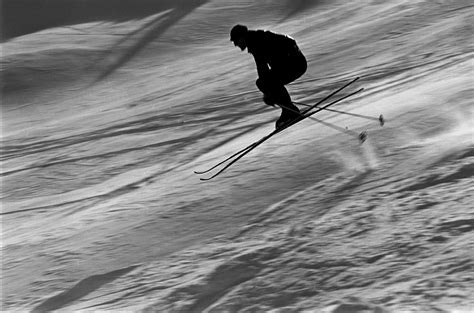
<point>22,17</point>
<point>81,289</point>
<point>157,28</point>
<point>125,38</point>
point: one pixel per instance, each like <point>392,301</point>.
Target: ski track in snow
<point>106,117</point>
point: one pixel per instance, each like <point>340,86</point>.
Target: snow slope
<point>107,110</point>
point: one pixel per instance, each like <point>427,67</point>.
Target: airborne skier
<point>279,62</point>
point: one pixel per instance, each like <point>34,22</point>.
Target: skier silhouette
<point>279,62</point>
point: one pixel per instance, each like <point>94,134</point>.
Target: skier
<point>279,62</point>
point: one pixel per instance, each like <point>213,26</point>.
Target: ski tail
<point>227,159</point>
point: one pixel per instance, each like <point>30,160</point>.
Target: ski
<point>259,142</point>
<point>307,113</point>
<point>244,150</point>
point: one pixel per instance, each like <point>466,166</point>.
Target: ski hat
<point>237,32</point>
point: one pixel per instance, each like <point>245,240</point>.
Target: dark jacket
<point>270,49</point>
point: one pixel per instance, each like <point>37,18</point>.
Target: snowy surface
<point>106,112</point>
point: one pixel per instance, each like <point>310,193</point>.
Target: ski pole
<point>362,136</point>
<point>380,119</point>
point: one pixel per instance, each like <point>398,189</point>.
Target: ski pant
<point>284,72</point>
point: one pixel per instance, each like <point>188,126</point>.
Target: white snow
<point>106,113</point>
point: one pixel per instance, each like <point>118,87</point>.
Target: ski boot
<point>288,114</point>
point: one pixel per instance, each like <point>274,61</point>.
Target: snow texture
<point>107,108</point>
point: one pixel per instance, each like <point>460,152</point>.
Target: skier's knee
<point>266,84</point>
<point>261,85</point>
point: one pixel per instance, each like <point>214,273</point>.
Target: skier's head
<point>238,35</point>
